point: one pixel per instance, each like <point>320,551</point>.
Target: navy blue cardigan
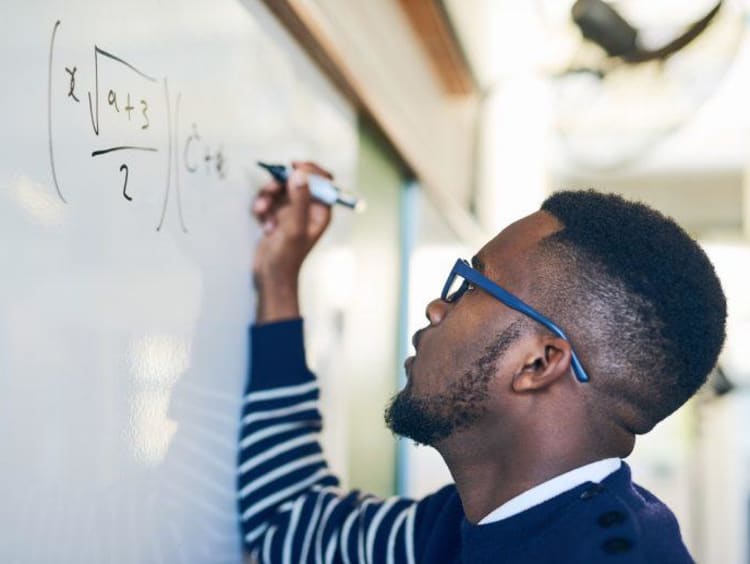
<point>292,509</point>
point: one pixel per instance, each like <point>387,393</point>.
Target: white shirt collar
<point>594,472</point>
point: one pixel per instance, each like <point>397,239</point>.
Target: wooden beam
<point>406,130</point>
<point>432,26</point>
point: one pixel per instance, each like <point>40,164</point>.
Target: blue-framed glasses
<point>463,276</point>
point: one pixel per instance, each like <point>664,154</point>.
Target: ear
<point>546,360</point>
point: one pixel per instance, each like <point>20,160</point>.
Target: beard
<point>429,419</point>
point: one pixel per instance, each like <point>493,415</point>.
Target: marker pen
<point>320,188</point>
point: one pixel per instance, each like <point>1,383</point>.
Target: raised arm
<point>292,223</point>
<point>291,508</point>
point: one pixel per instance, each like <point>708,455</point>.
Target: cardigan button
<point>593,491</point>
<point>617,545</point>
<point>610,518</point>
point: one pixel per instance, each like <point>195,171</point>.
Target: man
<point>575,329</point>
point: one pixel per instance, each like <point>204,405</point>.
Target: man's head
<point>636,296</point>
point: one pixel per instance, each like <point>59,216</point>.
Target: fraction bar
<point>122,148</point>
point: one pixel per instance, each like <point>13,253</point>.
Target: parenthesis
<point>49,112</point>
<point>169,156</point>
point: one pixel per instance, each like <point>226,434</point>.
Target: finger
<point>268,226</point>
<point>276,212</point>
<point>311,167</point>
<point>262,208</point>
<point>261,204</point>
<point>299,202</point>
<point>318,219</point>
<point>272,189</point>
<point>263,200</point>
<point>268,199</point>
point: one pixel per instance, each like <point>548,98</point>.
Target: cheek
<point>433,367</point>
<point>445,355</point>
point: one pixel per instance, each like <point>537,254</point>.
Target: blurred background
<point>470,113</point>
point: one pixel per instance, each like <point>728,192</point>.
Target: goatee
<point>429,419</point>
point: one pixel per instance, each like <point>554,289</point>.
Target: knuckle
<point>298,179</point>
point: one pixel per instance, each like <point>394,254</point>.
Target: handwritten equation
<point>124,104</point>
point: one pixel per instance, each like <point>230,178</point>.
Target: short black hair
<point>642,298</point>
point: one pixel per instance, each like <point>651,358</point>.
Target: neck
<point>489,475</point>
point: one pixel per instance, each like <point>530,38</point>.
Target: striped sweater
<point>293,511</point>
<point>291,506</point>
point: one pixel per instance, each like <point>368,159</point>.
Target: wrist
<point>278,300</point>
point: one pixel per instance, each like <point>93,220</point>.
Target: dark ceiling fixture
<point>601,24</point>
<point>657,98</point>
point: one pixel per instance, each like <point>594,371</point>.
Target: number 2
<point>125,185</point>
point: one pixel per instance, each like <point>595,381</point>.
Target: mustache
<point>417,337</point>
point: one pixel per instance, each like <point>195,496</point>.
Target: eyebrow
<point>477,263</point>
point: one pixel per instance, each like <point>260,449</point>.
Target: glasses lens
<point>456,288</point>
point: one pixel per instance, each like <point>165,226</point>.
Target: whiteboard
<point>130,133</point>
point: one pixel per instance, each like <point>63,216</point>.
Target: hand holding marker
<point>320,188</point>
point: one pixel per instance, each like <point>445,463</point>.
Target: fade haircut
<point>640,299</point>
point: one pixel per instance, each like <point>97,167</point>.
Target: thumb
<point>318,219</point>
<point>299,198</point>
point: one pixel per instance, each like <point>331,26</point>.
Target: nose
<point>436,310</point>
<point>435,313</point>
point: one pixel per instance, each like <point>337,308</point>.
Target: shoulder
<point>622,518</point>
<point>612,521</point>
<point>440,508</point>
<point>437,531</point>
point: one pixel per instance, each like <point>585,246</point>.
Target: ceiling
<point>652,132</point>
